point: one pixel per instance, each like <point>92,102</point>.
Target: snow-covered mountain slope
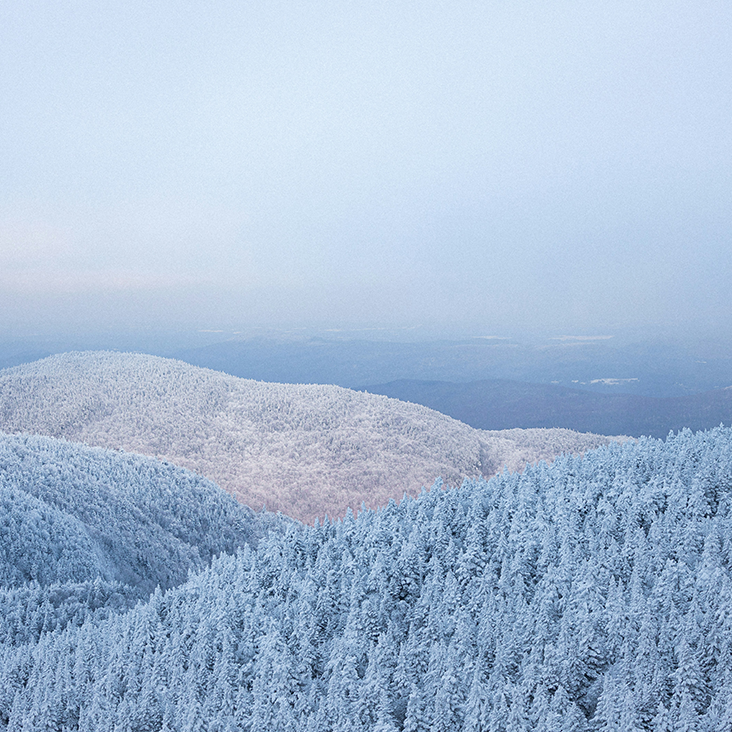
<point>86,531</point>
<point>302,449</point>
<point>72,513</point>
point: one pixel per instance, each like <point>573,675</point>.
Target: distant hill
<point>502,404</point>
<point>302,449</point>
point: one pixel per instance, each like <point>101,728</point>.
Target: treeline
<point>591,594</point>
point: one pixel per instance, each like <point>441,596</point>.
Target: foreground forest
<point>590,594</point>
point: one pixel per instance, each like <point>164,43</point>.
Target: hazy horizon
<point>475,169</point>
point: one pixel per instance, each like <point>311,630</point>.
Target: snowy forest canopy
<point>591,594</point>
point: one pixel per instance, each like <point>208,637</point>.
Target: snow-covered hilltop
<point>306,450</point>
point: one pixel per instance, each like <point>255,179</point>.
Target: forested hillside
<point>84,529</point>
<point>306,450</point>
<point>591,594</point>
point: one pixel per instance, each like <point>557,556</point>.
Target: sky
<point>564,166</point>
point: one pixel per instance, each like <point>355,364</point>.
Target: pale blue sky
<point>562,165</point>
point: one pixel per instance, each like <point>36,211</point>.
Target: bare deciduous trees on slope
<point>306,450</point>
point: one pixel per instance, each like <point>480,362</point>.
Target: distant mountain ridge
<point>503,404</point>
<point>649,368</point>
<point>302,449</point>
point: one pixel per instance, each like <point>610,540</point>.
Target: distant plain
<point>625,383</point>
